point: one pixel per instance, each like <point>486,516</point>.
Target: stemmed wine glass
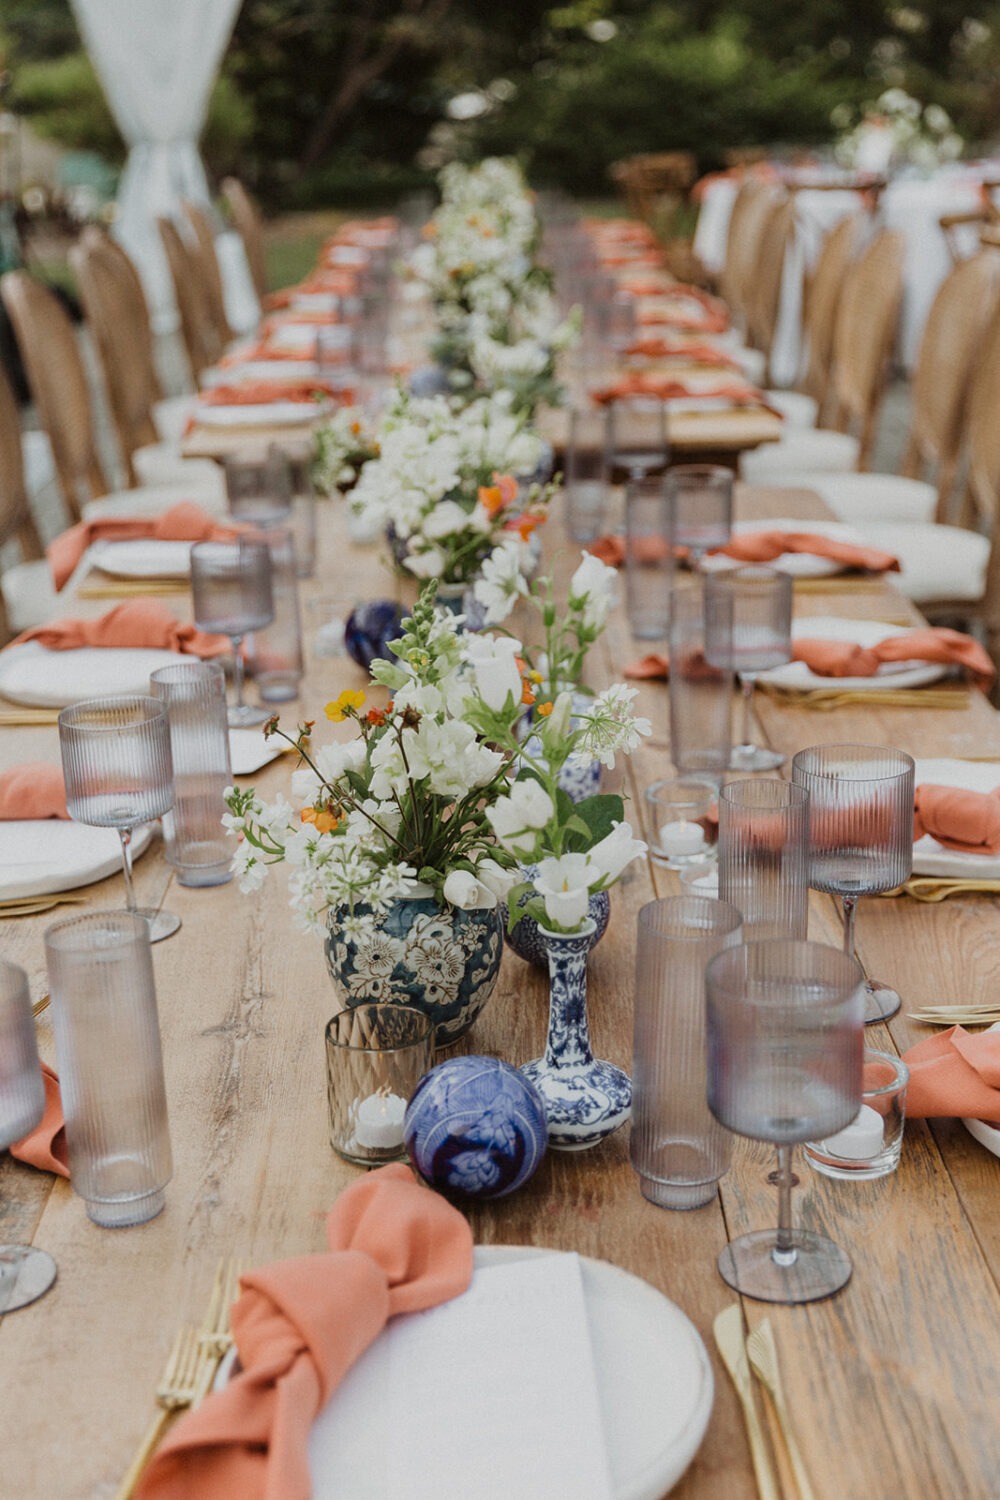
<point>636,437</point>
<point>231,585</point>
<point>748,628</point>
<point>701,508</point>
<point>259,487</point>
<point>785,1037</point>
<point>119,773</point>
<point>860,833</point>
<point>25,1273</point>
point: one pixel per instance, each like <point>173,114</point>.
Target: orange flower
<point>527,696</point>
<point>525,525</point>
<point>497,496</point>
<point>544,709</point>
<point>376,716</point>
<point>322,818</point>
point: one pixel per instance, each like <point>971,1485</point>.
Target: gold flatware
<point>829,698</point>
<point>12,716</point>
<point>214,1336</point>
<point>25,906</point>
<point>131,590</point>
<point>40,1005</point>
<point>841,584</point>
<point>762,1352</point>
<point>956,1015</point>
<point>728,1331</point>
<point>176,1390</point>
<point>930,888</point>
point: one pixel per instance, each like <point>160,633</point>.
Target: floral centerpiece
<point>896,130</point>
<point>343,443</point>
<point>446,485</point>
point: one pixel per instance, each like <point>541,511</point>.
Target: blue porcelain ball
<point>369,629</point>
<point>476,1125</point>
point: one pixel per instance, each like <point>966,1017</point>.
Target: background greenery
<point>348,101</point>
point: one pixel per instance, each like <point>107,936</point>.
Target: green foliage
<point>65,103</point>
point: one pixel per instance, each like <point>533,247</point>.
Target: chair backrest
<point>953,336</point>
<point>864,335</point>
<point>59,388</point>
<point>962,245</point>
<point>822,298</point>
<point>747,221</point>
<point>17,523</point>
<point>247,219</point>
<point>203,251</point>
<point>764,293</point>
<point>201,342</point>
<point>118,317</point>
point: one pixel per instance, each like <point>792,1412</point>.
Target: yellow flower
<point>350,699</point>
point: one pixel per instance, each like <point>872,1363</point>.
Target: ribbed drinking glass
<point>231,586</point>
<point>701,508</point>
<point>748,628</point>
<point>764,856</point>
<point>25,1273</point>
<point>196,842</point>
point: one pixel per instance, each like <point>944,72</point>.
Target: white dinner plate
<point>291,370</point>
<point>143,557</point>
<point>986,1134</point>
<point>295,335</point>
<point>932,858</point>
<point>654,1384</point>
<point>50,854</point>
<point>249,750</point>
<point>897,674</point>
<point>39,678</point>
<point>269,413</point>
<point>799,564</point>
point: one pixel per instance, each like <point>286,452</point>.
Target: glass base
<point>162,924</point>
<point>755,758</point>
<point>246,716</point>
<point>815,1268</point>
<point>679,1195</point>
<point>25,1275</point>
<point>881,1002</point>
<point>119,1214</point>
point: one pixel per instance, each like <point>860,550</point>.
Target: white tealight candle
<point>682,838</point>
<point>379,1122</point>
<point>706,885</point>
<point>860,1140</point>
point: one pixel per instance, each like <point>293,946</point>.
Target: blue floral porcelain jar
<point>475,1125</point>
<point>420,952</point>
<point>526,939</point>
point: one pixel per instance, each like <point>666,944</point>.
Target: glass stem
<point>747,680</point>
<point>125,834</point>
<point>850,912</point>
<point>784,1252</point>
<point>237,641</point>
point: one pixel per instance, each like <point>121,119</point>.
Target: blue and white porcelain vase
<point>585,1099</point>
<point>578,779</point>
<point>420,952</point>
<point>527,939</point>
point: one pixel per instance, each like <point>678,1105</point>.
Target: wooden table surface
<point>894,1384</point>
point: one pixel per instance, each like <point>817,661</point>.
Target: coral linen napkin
<point>845,659</point>
<point>45,1146</point>
<point>184,522</point>
<point>766,546</point>
<point>138,622</point>
<point>263,392</point>
<point>34,789</point>
<point>968,822</point>
<point>669,388</point>
<point>954,1073</point>
<point>299,1325</point>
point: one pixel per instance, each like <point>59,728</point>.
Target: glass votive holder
<point>701,879</point>
<point>679,821</point>
<point>870,1146</point>
<point>375,1057</point>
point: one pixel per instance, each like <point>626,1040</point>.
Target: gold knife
<point>728,1331</point>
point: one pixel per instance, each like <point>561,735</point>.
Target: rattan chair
<point>201,340</point>
<point>764,289</point>
<point>203,255</point>
<point>751,209</point>
<point>247,220</point>
<point>864,335</point>
<point>822,298</point>
<point>26,592</point>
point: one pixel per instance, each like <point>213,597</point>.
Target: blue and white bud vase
<point>585,1099</point>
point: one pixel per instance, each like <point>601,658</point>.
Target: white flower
<point>609,856</point>
<point>495,670</point>
<point>564,886</point>
<point>250,870</point>
<point>501,582</point>
<point>428,563</point>
<point>609,726</point>
<point>516,819</point>
<point>495,878</point>
<point>446,517</point>
<point>592,590</point>
<point>463,889</point>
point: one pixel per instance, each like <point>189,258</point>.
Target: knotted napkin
<point>688,352</point>
<point>954,1073</point>
<point>184,522</point>
<point>45,1146</point>
<point>765,546</point>
<point>34,789</point>
<point>263,392</point>
<point>966,821</point>
<point>299,1325</point>
<point>142,623</point>
<point>846,659</point>
<point>659,387</point>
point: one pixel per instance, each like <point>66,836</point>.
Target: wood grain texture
<point>892,1384</point>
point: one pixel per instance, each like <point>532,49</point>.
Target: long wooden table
<point>893,1383</point>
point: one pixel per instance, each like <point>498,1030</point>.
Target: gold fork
<point>763,1354</point>
<point>177,1389</point>
<point>728,1331</point>
<point>214,1336</point>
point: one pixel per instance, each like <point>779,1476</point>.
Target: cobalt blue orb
<point>369,629</point>
<point>476,1125</point>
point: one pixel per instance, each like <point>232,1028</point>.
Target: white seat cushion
<point>938,562</point>
<point>29,594</point>
<point>161,463</point>
<point>752,362</point>
<point>818,449</point>
<point>170,417</point>
<point>799,411</point>
<point>151,500</point>
<point>857,498</point>
<point>36,456</point>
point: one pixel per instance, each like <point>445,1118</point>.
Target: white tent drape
<point>157,61</point>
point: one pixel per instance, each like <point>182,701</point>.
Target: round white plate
<point>654,1384</point>
<point>987,1135</point>
<point>143,557</point>
<point>799,564</point>
<point>932,858</point>
<point>291,370</point>
<point>295,335</point>
<point>53,855</point>
<point>902,674</point>
<point>270,413</point>
<point>39,678</point>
